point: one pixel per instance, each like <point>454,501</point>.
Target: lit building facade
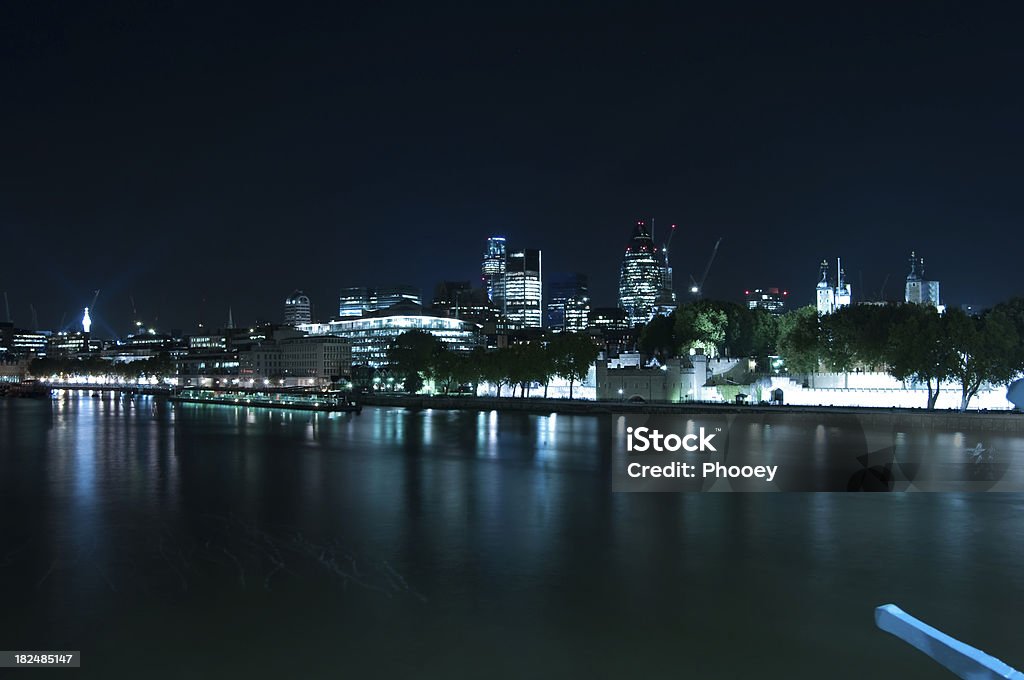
<point>920,291</point>
<point>69,344</point>
<point>641,277</point>
<point>520,291</point>
<point>568,305</point>
<point>361,301</point>
<point>493,267</point>
<point>297,309</point>
<point>772,300</point>
<point>202,369</point>
<point>370,336</point>
<point>18,342</point>
<point>611,318</point>
<point>829,298</point>
<point>353,301</point>
<point>459,300</point>
<point>307,361</point>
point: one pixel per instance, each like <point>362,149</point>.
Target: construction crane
<point>668,242</point>
<point>135,316</point>
<point>666,282</point>
<point>697,288</point>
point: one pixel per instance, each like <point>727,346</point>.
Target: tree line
<point>417,356</point>
<point>910,342</point>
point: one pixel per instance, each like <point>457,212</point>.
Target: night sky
<point>201,156</point>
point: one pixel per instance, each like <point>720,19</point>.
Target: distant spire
<point>86,321</point>
<point>231,318</point>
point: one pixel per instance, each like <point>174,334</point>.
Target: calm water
<point>205,541</point>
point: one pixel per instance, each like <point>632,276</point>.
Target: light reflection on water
<point>452,544</point>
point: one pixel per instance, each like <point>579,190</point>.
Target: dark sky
<point>187,152</point>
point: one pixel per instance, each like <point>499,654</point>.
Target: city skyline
<point>359,300</point>
<point>237,158</point>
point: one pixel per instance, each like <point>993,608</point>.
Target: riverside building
<point>371,335</point>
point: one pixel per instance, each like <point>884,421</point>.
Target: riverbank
<point>999,421</point>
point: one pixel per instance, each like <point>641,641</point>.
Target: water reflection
<point>383,537</point>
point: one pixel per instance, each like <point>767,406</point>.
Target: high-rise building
<point>297,309</point>
<point>392,295</point>
<point>568,305</point>
<point>829,298</point>
<point>519,292</point>
<point>641,277</point>
<point>920,291</point>
<point>360,301</point>
<point>353,301</point>
<point>493,266</point>
<point>771,300</point>
<point>666,302</point>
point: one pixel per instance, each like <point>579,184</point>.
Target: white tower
<point>86,321</point>
<point>844,294</point>
<point>826,294</point>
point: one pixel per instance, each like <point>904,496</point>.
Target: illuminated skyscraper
<point>568,303</point>
<point>519,293</point>
<point>297,309</point>
<point>493,266</point>
<point>642,276</point>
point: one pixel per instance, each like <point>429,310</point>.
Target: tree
<point>1013,311</point>
<point>534,365</point>
<point>986,349</point>
<point>412,357</point>
<point>658,337</point>
<point>471,368</point>
<point>919,350</point>
<point>444,366</point>
<point>572,353</point>
<point>800,344</point>
<point>701,325</point>
<point>494,367</point>
<point>840,340</point>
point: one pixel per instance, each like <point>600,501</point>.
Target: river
<point>193,541</point>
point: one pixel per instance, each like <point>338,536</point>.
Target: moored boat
<point>286,399</point>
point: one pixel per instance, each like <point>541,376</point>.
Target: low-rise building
<point>678,379</point>
<point>371,336</point>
